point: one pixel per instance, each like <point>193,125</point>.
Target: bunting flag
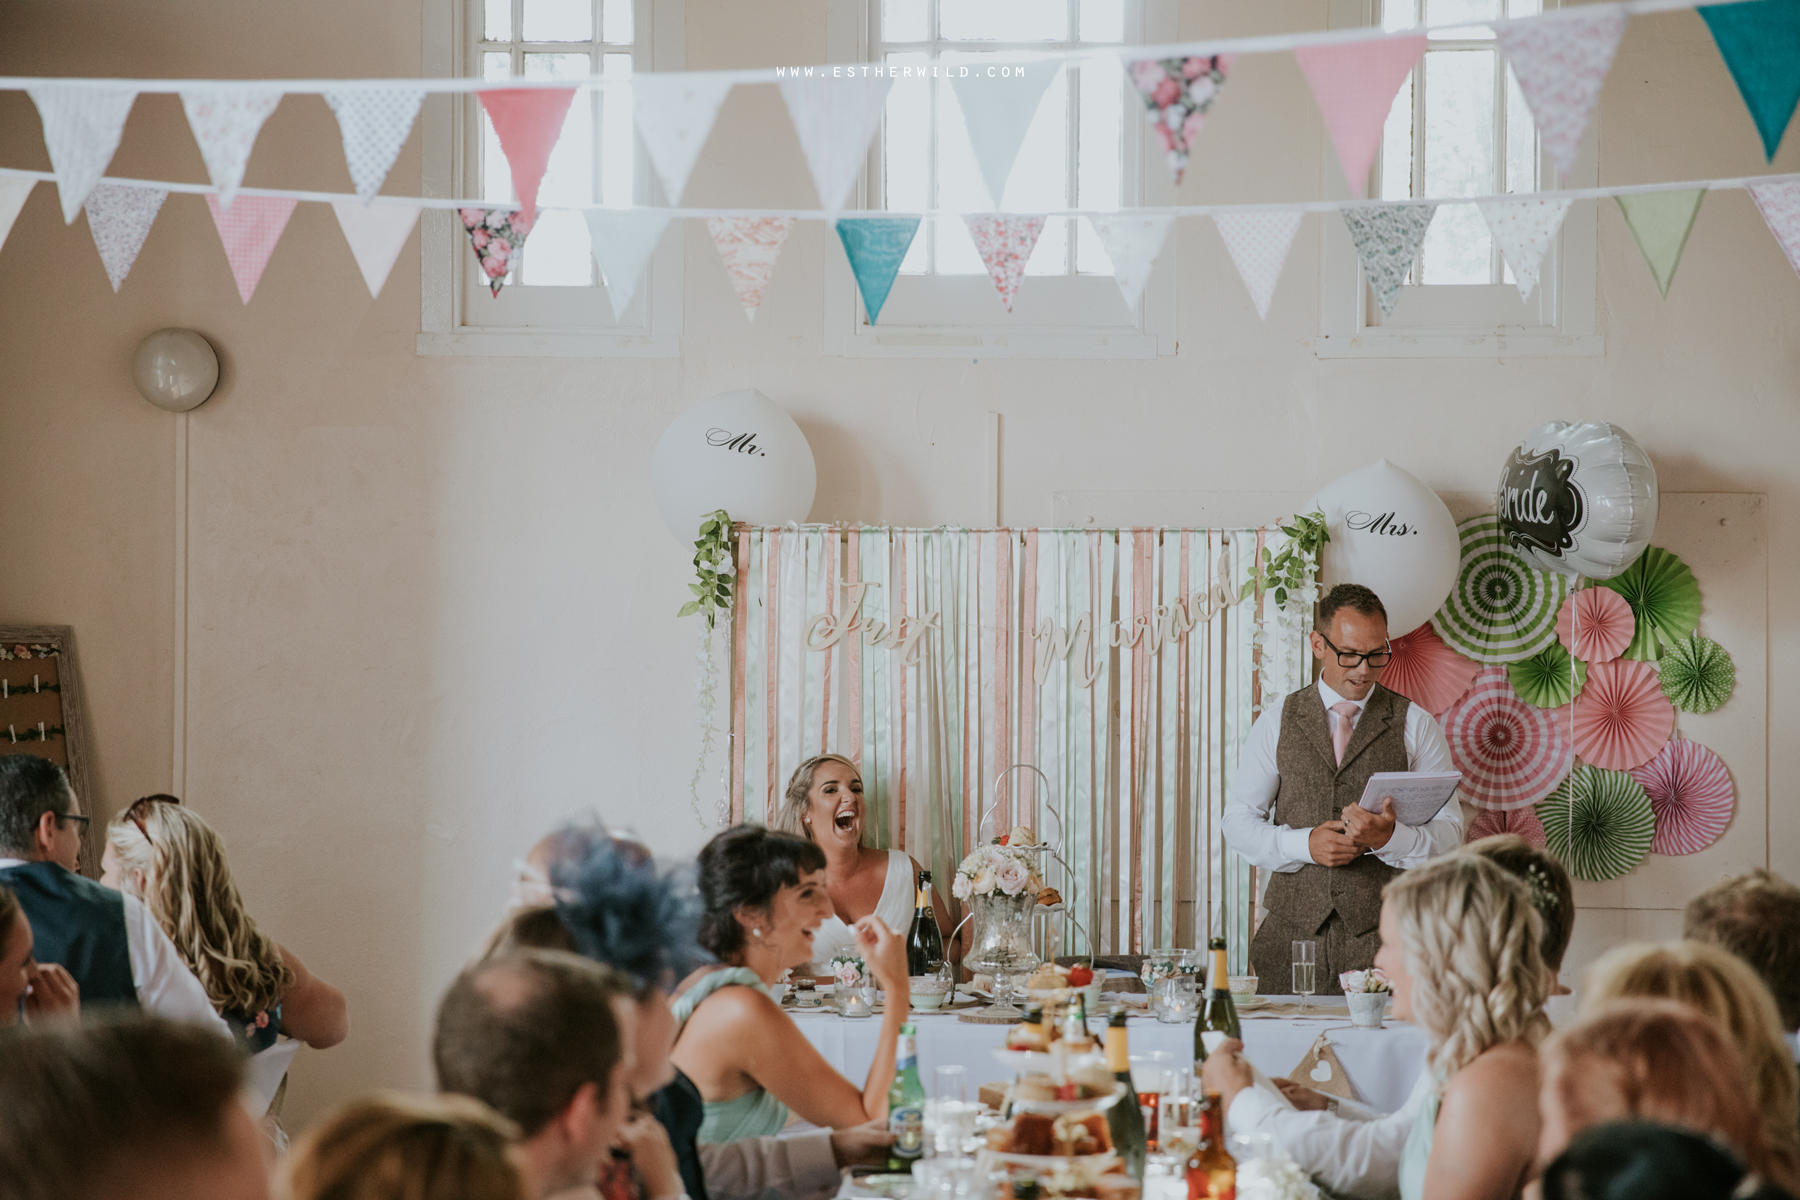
<point>225,122</point>
<point>527,121</point>
<point>249,231</point>
<point>1387,241</point>
<point>1132,242</point>
<point>675,113</point>
<point>875,247</point>
<point>834,120</point>
<point>1760,42</point>
<point>1524,230</point>
<point>1661,222</point>
<point>749,246</point>
<point>14,191</point>
<point>1354,84</point>
<point>1177,94</point>
<point>494,234</point>
<point>1258,243</point>
<point>623,240</point>
<point>81,131</point>
<point>997,111</point>
<point>120,220</point>
<point>376,233</point>
<point>1005,243</point>
<point>375,124</point>
<point>1779,204</point>
<point>1560,63</point>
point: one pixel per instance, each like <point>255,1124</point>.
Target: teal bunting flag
<point>1760,42</point>
<point>875,246</point>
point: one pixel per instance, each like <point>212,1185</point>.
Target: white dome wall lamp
<point>175,369</point>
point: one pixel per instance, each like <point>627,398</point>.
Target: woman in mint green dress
<point>1460,945</point>
<point>765,899</point>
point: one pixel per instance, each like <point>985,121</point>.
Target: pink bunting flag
<point>249,231</point>
<point>376,233</point>
<point>1005,243</point>
<point>120,220</point>
<point>1354,84</point>
<point>1560,61</point>
<point>1258,243</point>
<point>1779,204</point>
<point>749,246</point>
<point>527,121</point>
<point>225,122</point>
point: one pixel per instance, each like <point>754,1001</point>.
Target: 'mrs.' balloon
<point>739,452</point>
<point>1392,534</point>
<point>1580,499</point>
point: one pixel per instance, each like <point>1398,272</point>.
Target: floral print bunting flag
<point>749,246</point>
<point>1005,243</point>
<point>1177,93</point>
<point>496,234</point>
<point>1387,241</point>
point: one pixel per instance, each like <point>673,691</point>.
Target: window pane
<point>1091,257</point>
<point>1440,12</point>
<point>1459,161</point>
<point>1003,20</point>
<point>903,21</point>
<point>617,23</point>
<point>954,250</point>
<point>1397,145</point>
<point>558,253</point>
<point>618,149</point>
<point>1102,20</point>
<point>1099,163</point>
<point>1521,140</point>
<point>1051,254</point>
<point>1524,8</point>
<point>496,64</point>
<point>1399,14</point>
<point>559,20</point>
<point>499,21</point>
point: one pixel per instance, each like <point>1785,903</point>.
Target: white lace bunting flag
<point>1387,241</point>
<point>1524,230</point>
<point>375,123</point>
<point>1779,204</point>
<point>1258,243</point>
<point>14,191</point>
<point>225,122</point>
<point>623,241</point>
<point>675,113</point>
<point>1132,242</point>
<point>1560,62</point>
<point>834,118</point>
<point>81,131</point>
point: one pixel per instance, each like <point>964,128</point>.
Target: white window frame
<point>1462,321</point>
<point>550,322</point>
<point>852,35</point>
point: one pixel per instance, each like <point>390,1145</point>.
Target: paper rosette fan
<point>1501,610</point>
<point>1599,823</point>
<point>1522,821</point>
<point>1621,717</point>
<point>1697,674</point>
<point>1595,624</point>
<point>1428,672</point>
<point>1549,678</point>
<point>1510,754</point>
<point>1664,597</point>
<point>1691,794</point>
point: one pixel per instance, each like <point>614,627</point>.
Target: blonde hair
<point>176,866</point>
<point>1471,938</point>
<point>392,1146</point>
<point>798,797</point>
<point>1728,991</point>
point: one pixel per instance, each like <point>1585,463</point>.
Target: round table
<point>1382,1064</point>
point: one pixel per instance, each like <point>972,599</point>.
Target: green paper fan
<point>1598,822</point>
<point>1545,680</point>
<point>1502,609</point>
<point>1665,599</point>
<point>1697,674</point>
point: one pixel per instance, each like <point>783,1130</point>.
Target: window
<point>1460,127</point>
<point>554,300</point>
<point>1083,150</point>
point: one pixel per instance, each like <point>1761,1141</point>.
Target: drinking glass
<point>950,1083</point>
<point>1176,1000</point>
<point>1180,1117</point>
<point>1306,961</point>
<point>1150,1079</point>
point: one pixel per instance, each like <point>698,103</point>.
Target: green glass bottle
<point>1125,1119</point>
<point>1218,1014</point>
<point>906,1104</point>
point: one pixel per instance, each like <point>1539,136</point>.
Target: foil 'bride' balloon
<point>1580,499</point>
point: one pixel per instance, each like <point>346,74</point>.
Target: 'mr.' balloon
<point>1392,534</point>
<point>739,452</point>
<point>1580,499</point>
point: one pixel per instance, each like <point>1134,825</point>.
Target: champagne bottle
<point>906,1104</point>
<point>1218,1015</point>
<point>1211,1171</point>
<point>1125,1119</point>
<point>924,941</point>
<point>934,937</point>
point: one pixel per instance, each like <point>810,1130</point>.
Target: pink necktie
<point>1340,732</point>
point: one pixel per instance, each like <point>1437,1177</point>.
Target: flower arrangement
<point>1274,1176</point>
<point>1371,980</point>
<point>996,868</point>
<point>849,970</point>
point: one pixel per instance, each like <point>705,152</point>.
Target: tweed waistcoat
<point>1315,788</point>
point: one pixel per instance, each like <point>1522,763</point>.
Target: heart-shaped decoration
<point>1321,1072</point>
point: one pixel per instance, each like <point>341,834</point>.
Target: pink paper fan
<point>1595,624</point>
<point>1621,717</point>
<point>1511,755</point>
<point>1691,794</point>
<point>1427,671</point>
<point>1522,821</point>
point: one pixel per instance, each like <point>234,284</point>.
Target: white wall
<point>430,604</point>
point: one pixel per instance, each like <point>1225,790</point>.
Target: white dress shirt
<point>1354,1151</point>
<point>164,984</point>
<point>1250,828</point>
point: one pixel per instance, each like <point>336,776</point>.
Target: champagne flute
<point>1306,959</point>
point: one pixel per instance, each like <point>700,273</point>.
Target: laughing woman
<point>765,900</point>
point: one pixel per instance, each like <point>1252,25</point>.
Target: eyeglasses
<point>1376,659</point>
<point>76,817</point>
<point>134,814</point>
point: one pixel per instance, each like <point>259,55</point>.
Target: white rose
<point>960,887</point>
<point>984,880</point>
<point>1013,875</point>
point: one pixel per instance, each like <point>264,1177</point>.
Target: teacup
<point>1243,987</point>
<point>928,992</point>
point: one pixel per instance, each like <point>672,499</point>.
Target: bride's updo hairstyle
<point>745,867</point>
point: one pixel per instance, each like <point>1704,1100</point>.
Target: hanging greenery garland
<point>712,596</point>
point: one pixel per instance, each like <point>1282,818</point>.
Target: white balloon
<point>1580,499</point>
<point>740,452</point>
<point>1392,534</point>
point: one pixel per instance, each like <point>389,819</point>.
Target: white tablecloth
<point>1382,1063</point>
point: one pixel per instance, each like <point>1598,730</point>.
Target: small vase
<point>1003,948</point>
<point>1366,1008</point>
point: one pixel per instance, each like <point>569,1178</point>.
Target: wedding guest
<point>111,945</point>
<point>1643,1160</point>
<point>397,1147</point>
<point>765,898</point>
<point>1654,1060</point>
<point>29,990</point>
<point>1460,947</point>
<point>1552,893</point>
<point>167,857</point>
<point>544,1039</point>
<point>1727,991</point>
<point>137,1109</point>
<point>1756,916</point>
<point>824,805</point>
